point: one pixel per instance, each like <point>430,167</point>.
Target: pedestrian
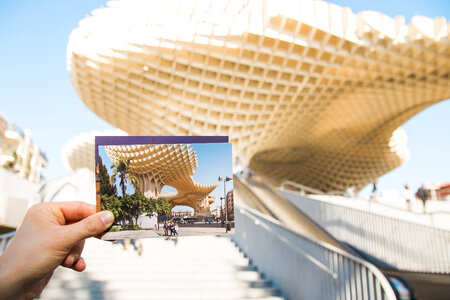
<point>422,194</point>
<point>175,229</point>
<point>374,191</point>
<point>172,229</point>
<point>408,195</point>
<point>165,228</point>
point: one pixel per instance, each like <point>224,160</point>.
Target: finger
<point>79,265</point>
<point>89,227</point>
<point>76,211</point>
<point>73,255</point>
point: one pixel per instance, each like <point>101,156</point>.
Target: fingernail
<point>107,217</point>
<point>71,260</point>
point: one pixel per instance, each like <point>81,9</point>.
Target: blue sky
<point>36,93</point>
<point>214,160</point>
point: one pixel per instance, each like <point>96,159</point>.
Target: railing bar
<point>436,251</point>
<point>343,281</point>
<point>446,250</point>
<point>4,240</point>
<point>379,291</point>
<point>370,285</point>
<point>337,283</point>
<point>381,204</point>
<point>440,253</point>
<point>301,187</point>
<point>2,245</point>
<point>286,241</point>
<point>364,283</point>
<point>359,286</point>
<point>353,278</point>
<point>402,258</point>
<point>349,279</point>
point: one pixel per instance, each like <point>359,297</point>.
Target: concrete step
<point>184,294</point>
<point>188,268</point>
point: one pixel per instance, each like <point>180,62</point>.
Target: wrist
<point>10,283</point>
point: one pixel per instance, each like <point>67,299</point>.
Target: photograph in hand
<point>165,186</point>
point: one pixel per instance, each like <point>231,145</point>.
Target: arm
<point>50,235</point>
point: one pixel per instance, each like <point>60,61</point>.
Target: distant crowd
<point>171,228</point>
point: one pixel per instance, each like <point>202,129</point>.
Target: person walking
<point>422,194</point>
<point>165,228</point>
<point>175,229</point>
<point>374,192</point>
<point>172,228</point>
<point>409,197</point>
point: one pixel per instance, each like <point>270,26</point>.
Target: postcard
<point>165,186</point>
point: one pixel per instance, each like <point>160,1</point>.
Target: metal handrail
<point>390,242</point>
<point>312,259</point>
<point>303,188</point>
<point>5,239</point>
<point>283,254</point>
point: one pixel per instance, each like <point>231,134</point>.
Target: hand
<point>50,235</point>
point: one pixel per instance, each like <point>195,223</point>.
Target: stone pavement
<point>182,231</point>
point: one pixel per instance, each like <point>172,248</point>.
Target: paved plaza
<point>150,233</point>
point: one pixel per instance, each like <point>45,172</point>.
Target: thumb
<point>91,226</point>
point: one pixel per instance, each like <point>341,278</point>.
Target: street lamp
<point>221,209</point>
<point>228,227</point>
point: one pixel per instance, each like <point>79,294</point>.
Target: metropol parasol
<point>307,90</point>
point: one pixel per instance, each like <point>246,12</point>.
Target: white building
<point>19,154</point>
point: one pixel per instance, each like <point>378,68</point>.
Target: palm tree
<point>122,169</point>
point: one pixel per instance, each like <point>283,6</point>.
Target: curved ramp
<point>259,195</point>
<point>302,219</point>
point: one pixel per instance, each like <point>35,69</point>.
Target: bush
<point>130,227</point>
<point>115,228</point>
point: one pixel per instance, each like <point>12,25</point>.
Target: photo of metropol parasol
<point>307,90</point>
<point>174,165</point>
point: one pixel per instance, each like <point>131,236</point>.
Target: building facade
<point>230,205</point>
<point>19,154</point>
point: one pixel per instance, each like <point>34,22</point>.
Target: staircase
<point>204,267</point>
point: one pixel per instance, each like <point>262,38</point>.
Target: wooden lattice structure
<point>79,151</point>
<point>174,165</point>
<point>306,90</point>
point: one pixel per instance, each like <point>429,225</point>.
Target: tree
<point>106,188</point>
<point>137,204</point>
<point>134,205</point>
<point>122,169</point>
<point>163,208</point>
<point>115,205</point>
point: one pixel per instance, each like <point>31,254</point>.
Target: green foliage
<point>106,188</point>
<point>122,170</point>
<point>135,205</point>
<point>115,228</point>
<point>132,206</point>
<point>115,205</point>
<point>130,227</point>
<point>163,206</point>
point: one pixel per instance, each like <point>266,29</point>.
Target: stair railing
<point>5,239</point>
<point>305,268</point>
<point>390,243</point>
